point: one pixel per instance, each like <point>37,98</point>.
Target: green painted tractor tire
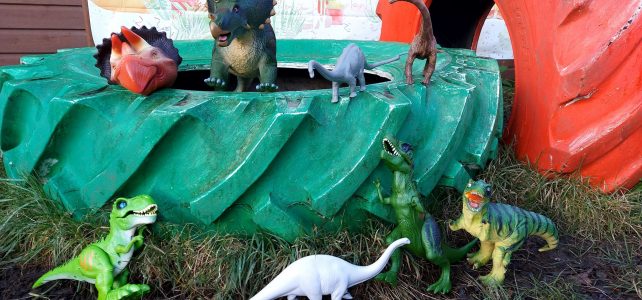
<point>285,162</point>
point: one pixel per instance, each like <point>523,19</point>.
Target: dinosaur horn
<point>137,42</point>
<point>116,48</point>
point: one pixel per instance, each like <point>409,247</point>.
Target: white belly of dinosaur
<point>122,261</point>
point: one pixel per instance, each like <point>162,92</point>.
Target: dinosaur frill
<point>140,59</point>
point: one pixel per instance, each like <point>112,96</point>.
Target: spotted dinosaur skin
<point>413,222</point>
<point>501,228</point>
<point>245,44</point>
<point>104,263</point>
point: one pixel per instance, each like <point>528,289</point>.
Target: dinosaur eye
<point>469,185</point>
<point>488,191</point>
<point>235,9</point>
<point>406,147</point>
<point>121,204</point>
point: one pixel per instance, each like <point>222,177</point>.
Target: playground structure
<point>578,96</point>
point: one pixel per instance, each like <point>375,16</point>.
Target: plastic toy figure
<point>349,69</point>
<point>141,60</point>
<point>501,228</point>
<point>422,231</point>
<point>104,263</point>
<point>423,46</point>
<point>317,275</point>
<point>245,44</point>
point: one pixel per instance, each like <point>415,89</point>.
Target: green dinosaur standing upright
<point>245,44</point>
<point>423,232</point>
<point>501,228</point>
<point>104,263</point>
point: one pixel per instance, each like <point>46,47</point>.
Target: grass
<point>598,257</point>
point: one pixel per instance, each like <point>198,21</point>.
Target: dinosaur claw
<point>267,87</point>
<point>216,83</point>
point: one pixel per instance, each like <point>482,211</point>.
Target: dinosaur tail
<point>457,254</point>
<point>545,228</point>
<point>66,271</point>
<point>387,61</point>
<point>432,239</point>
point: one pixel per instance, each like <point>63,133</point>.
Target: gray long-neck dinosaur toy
<point>349,69</point>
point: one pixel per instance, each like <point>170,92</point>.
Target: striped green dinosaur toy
<point>104,263</point>
<point>501,228</point>
<point>413,221</point>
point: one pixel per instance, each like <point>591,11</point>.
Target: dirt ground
<point>571,266</point>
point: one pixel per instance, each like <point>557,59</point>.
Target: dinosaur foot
<point>128,291</point>
<point>442,286</point>
<point>216,83</point>
<point>267,87</point>
<point>389,277</point>
<point>477,260</point>
<point>491,280</point>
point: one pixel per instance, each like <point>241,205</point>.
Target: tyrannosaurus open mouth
<point>475,200</point>
<point>223,39</point>
<point>148,211</point>
<point>390,148</point>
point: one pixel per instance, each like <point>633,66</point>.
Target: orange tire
<point>578,90</point>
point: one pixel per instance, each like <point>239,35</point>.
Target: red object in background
<point>578,91</point>
<point>400,21</point>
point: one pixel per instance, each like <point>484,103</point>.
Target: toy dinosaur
<point>245,44</point>
<point>141,60</point>
<point>501,228</point>
<point>317,275</point>
<point>104,262</point>
<point>423,232</point>
<point>349,69</point>
<point>423,46</point>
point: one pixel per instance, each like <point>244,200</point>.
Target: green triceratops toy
<point>245,44</point>
<point>501,228</point>
<point>104,263</point>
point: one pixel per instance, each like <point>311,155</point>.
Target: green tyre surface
<point>284,162</point>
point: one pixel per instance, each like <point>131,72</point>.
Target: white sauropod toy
<point>317,275</point>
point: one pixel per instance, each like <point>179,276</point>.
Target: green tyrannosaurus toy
<point>245,44</point>
<point>501,228</point>
<point>104,262</point>
<point>423,232</point>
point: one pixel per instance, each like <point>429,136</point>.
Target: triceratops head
<point>230,19</point>
<point>141,60</point>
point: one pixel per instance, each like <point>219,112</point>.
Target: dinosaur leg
<point>429,68</point>
<point>391,275</point>
<point>339,291</point>
<point>409,61</point>
<point>362,81</point>
<point>219,72</point>
<point>482,256</point>
<point>501,257</point>
<point>121,279</point>
<point>242,84</point>
<point>267,74</point>
<point>353,87</point>
<point>335,92</point>
<point>431,240</point>
<point>95,263</point>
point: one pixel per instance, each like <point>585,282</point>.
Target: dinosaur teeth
<point>148,211</point>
